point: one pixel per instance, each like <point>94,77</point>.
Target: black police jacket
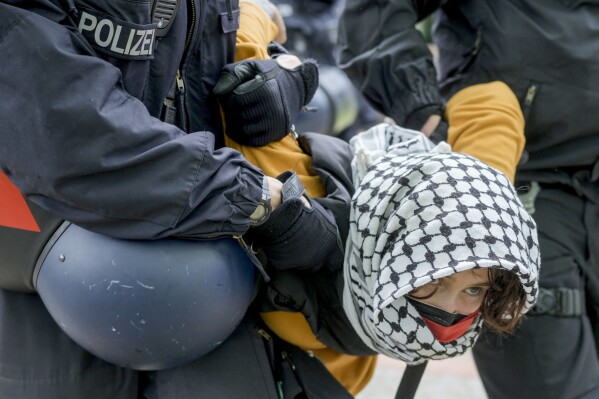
<point>82,86</point>
<point>546,51</point>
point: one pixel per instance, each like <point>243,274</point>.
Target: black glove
<point>261,99</point>
<point>295,236</point>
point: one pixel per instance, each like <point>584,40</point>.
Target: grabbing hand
<point>262,98</point>
<point>300,234</point>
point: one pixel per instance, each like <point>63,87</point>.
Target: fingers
<point>431,124</point>
<point>229,81</point>
<point>274,187</point>
<point>226,83</point>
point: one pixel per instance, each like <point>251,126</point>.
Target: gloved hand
<point>262,98</point>
<point>296,236</point>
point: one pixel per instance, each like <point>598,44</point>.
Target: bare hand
<point>274,186</point>
<point>430,125</point>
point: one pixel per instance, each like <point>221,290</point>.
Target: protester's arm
<point>388,59</point>
<point>486,121</point>
<point>256,31</point>
<point>76,143</point>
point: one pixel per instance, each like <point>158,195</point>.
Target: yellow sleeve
<point>279,156</point>
<point>256,31</point>
<point>486,121</point>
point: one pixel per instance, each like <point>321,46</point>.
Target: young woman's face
<point>462,292</point>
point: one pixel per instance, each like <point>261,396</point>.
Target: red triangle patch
<point>14,211</point>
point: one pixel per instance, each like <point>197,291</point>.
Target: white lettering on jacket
<point>117,38</point>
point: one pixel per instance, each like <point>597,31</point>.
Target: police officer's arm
<point>76,143</point>
<point>388,58</point>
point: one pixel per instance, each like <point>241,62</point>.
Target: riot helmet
<point>146,305</point>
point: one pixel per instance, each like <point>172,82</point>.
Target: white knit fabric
<point>422,212</point>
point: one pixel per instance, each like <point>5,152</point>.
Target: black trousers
<point>549,356</point>
<point>37,360</point>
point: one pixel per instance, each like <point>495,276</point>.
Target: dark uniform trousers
<point>553,357</point>
<point>37,360</point>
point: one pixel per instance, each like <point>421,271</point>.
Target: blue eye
<point>474,291</point>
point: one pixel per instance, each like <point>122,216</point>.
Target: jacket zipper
<point>181,116</point>
<point>180,72</point>
<point>191,27</point>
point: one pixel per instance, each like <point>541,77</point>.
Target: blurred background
<point>337,109</point>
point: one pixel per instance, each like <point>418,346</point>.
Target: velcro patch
<point>116,38</point>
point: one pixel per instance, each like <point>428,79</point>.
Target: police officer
<point>109,121</point>
<point>546,52</point>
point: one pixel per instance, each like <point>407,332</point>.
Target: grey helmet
<point>146,305</point>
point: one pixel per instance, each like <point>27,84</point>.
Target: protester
<point>545,53</point>
<point>301,307</point>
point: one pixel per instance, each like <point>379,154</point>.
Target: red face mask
<point>445,326</point>
<point>455,331</point>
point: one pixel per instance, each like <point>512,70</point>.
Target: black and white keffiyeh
<point>420,213</point>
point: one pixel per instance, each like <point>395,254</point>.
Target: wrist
<point>274,187</point>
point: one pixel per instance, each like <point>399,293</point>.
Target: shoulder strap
<point>410,381</point>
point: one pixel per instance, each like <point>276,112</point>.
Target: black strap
<point>410,381</point>
<point>292,186</point>
<point>565,302</point>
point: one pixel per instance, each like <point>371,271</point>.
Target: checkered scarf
<point>421,213</point>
